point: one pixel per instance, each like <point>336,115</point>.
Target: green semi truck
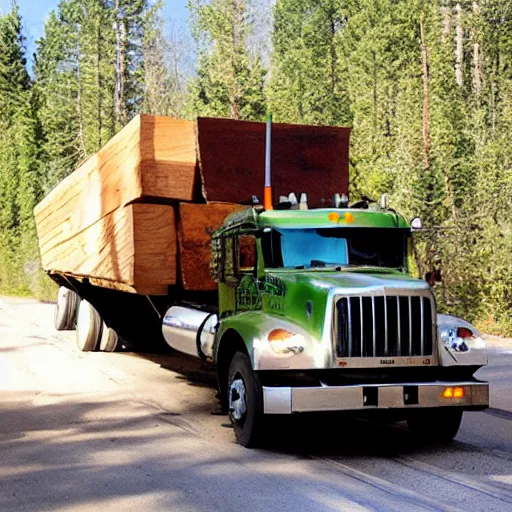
<point>317,312</point>
<point>315,309</point>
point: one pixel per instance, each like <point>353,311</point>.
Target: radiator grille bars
<point>390,326</point>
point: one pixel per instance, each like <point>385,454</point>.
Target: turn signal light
<point>453,393</point>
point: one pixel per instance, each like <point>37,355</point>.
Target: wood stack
<point>153,194</point>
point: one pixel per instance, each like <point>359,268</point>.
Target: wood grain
<point>196,223</point>
<point>311,159</point>
<point>152,157</point>
<point>111,220</point>
<point>134,246</point>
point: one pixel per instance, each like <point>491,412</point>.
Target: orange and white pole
<point>267,196</point>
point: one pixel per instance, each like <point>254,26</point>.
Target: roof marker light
<point>333,217</point>
<point>348,217</point>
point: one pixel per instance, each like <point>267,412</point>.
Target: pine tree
<point>89,76</point>
<point>306,85</point>
<point>229,80</point>
<point>166,71</point>
<point>19,168</point>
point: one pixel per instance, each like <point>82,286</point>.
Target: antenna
<point>267,197</point>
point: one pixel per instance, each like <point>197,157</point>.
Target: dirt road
<point>123,432</point>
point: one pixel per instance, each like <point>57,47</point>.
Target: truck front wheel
<point>245,401</point>
<point>435,425</point>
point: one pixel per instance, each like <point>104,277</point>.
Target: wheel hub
<point>237,399</point>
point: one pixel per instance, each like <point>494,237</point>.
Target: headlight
<point>285,342</point>
<point>462,339</point>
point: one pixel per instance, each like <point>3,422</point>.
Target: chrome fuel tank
<point>190,330</point>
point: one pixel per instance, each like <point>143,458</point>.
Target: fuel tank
<point>191,331</point>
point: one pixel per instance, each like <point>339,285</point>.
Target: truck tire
<point>88,327</point>
<point>245,401</point>
<point>435,425</point>
<point>65,309</point>
<point>109,339</point>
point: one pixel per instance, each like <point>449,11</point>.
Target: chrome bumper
<point>287,400</point>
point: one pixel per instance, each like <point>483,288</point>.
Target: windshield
<point>335,247</point>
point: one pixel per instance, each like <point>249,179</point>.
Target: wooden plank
<point>196,223</point>
<point>169,161</point>
<point>155,246</point>
<point>134,246</point>
<point>151,158</point>
<point>311,159</point>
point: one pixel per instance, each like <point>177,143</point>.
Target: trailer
<point>302,304</point>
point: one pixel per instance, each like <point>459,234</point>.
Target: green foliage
<point>89,80</point>
<point>431,120</point>
<point>19,167</point>
<point>425,84</point>
<point>229,80</point>
<point>306,85</point>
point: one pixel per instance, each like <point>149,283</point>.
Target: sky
<point>34,13</point>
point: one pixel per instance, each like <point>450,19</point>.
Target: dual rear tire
<point>92,333</point>
<point>66,309</point>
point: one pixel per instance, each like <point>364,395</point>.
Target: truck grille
<point>384,326</point>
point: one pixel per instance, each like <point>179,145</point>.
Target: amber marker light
<point>333,217</point>
<point>279,335</point>
<point>448,393</point>
<point>348,217</point>
<point>458,393</point>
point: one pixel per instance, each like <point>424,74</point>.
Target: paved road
<point>127,432</point>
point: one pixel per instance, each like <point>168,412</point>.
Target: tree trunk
<point>426,108</point>
<point>477,57</point>
<point>120,67</point>
<point>233,94</point>
<point>79,103</point>
<point>447,23</point>
<point>375,94</point>
<point>332,14</point>
<point>459,49</point>
<point>99,85</point>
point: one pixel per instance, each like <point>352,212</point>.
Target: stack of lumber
<point>153,194</point>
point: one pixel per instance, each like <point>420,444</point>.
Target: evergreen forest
<point>426,86</point>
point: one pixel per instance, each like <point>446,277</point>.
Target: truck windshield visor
<point>322,247</point>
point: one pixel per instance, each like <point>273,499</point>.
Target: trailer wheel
<point>65,309</point>
<point>109,339</point>
<point>88,327</point>
<point>435,425</point>
<point>245,401</point>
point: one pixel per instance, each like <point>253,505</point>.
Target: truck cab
<point>317,311</point>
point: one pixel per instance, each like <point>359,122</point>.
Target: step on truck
<point>314,311</point>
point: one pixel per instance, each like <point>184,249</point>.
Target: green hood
<point>306,291</point>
